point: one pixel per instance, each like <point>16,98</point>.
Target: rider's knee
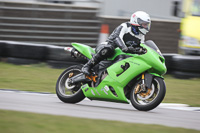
<point>105,51</point>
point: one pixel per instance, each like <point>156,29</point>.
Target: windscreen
<point>152,45</point>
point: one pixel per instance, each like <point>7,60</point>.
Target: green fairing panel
<point>84,49</point>
<point>103,92</point>
<point>155,60</point>
<point>136,67</point>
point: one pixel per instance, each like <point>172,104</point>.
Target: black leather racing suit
<point>123,37</point>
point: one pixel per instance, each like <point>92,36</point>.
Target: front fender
<point>148,79</point>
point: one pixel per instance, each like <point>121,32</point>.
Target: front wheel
<point>150,98</point>
<point>66,92</point>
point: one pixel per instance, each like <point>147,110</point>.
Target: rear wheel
<point>150,98</point>
<point>69,93</point>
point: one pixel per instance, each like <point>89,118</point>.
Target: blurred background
<point>60,22</point>
<point>37,30</point>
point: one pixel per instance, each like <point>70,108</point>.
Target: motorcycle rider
<point>126,36</point>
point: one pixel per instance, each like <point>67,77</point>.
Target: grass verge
<point>21,122</point>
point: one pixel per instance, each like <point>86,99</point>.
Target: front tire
<point>69,93</point>
<point>151,97</point>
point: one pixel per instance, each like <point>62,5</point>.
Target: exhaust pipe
<point>74,52</point>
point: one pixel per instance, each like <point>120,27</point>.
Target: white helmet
<point>142,20</point>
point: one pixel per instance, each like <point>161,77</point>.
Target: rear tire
<point>72,94</point>
<point>151,98</point>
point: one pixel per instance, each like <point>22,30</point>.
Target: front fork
<point>143,86</point>
<point>147,80</point>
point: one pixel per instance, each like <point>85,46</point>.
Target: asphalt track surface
<point>172,115</point>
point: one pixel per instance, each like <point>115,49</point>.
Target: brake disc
<point>146,95</point>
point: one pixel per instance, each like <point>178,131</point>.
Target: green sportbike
<point>124,78</point>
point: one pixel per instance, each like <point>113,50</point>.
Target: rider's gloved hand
<point>125,50</point>
<point>138,50</point>
<point>128,50</point>
<point>135,50</point>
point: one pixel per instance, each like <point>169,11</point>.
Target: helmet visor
<point>144,24</point>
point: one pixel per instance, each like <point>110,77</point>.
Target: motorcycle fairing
<point>103,91</point>
<point>115,81</point>
<point>111,88</point>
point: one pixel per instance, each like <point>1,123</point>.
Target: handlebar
<point>137,50</point>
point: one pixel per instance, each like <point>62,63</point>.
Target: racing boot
<point>102,52</point>
<point>86,69</point>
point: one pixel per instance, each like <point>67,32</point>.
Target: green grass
<point>41,78</point>
<point>182,91</point>
<point>21,122</point>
